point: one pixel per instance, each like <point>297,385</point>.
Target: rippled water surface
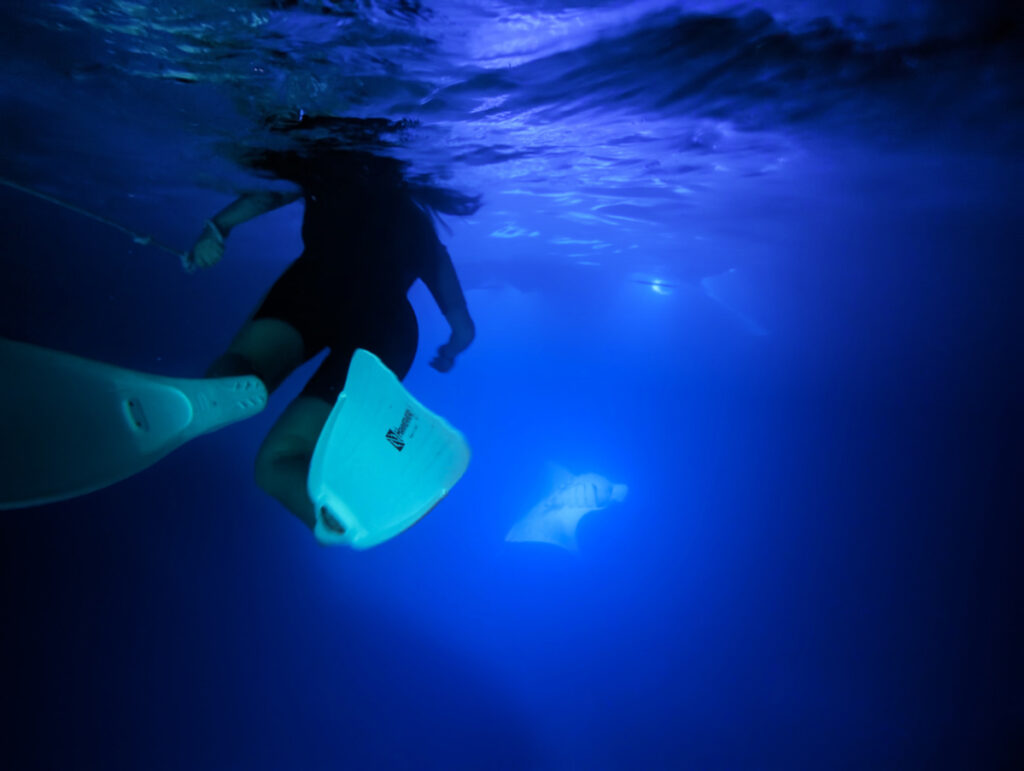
<point>628,117</point>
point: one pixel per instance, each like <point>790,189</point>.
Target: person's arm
<point>444,286</point>
<point>209,248</point>
<point>249,206</point>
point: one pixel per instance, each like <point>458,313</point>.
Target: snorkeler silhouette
<point>368,235</point>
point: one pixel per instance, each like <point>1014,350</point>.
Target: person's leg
<point>282,464</point>
<point>283,461</point>
<point>269,348</point>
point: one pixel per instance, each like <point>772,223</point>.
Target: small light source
<point>659,287</point>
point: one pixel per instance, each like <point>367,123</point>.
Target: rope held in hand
<point>138,238</point>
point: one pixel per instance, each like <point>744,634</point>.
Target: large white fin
<point>382,461</point>
<point>69,426</point>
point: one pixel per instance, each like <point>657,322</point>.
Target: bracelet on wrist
<point>217,232</point>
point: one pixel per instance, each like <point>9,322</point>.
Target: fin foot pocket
<point>72,425</point>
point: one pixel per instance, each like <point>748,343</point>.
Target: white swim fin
<point>69,426</point>
<point>383,460</point>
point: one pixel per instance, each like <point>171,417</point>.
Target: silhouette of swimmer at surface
<point>368,235</point>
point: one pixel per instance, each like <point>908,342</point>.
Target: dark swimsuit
<point>363,251</point>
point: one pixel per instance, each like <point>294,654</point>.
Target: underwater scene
<point>691,437</point>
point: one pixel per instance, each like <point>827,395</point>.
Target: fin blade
<point>383,460</point>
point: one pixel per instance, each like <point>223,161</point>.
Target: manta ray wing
<point>555,525</point>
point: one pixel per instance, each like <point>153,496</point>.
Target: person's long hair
<point>319,147</point>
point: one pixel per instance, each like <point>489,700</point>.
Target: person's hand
<point>208,249</point>
<point>443,362</point>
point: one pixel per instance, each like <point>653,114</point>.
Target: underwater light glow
<point>657,285</point>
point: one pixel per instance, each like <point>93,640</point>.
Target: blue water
<point>759,262</point>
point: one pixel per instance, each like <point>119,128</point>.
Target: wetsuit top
<point>367,241</point>
<point>373,241</point>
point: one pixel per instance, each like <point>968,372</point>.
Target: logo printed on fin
<point>396,436</point>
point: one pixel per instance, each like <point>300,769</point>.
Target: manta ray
<point>554,520</point>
